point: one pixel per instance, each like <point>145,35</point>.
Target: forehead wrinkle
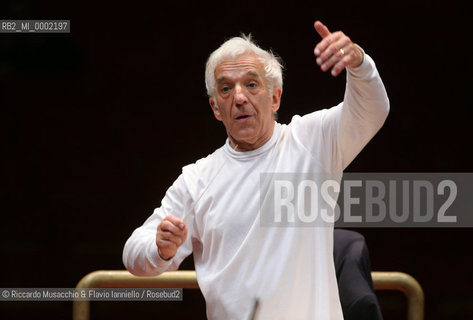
<point>250,73</point>
<point>246,62</point>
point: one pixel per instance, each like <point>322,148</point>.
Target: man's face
<point>243,103</point>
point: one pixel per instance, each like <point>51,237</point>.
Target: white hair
<point>237,46</point>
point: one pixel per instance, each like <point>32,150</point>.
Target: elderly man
<point>213,209</point>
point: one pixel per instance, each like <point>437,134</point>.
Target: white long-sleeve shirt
<point>237,258</point>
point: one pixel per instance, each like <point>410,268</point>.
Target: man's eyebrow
<point>253,74</point>
<point>221,79</point>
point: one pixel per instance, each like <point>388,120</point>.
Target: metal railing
<point>187,280</point>
<point>408,285</point>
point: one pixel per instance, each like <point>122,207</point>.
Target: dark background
<point>96,124</point>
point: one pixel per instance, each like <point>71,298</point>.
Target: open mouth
<point>243,116</point>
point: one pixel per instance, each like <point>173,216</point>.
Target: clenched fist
<point>171,234</point>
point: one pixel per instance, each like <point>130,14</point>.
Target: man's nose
<point>240,95</point>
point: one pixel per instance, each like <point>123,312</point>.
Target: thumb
<point>321,29</point>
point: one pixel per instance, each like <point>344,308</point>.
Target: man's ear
<point>215,109</point>
<point>277,92</point>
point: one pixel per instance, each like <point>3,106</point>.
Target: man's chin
<point>247,136</point>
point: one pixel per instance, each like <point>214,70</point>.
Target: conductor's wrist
<point>360,56</point>
<point>161,256</point>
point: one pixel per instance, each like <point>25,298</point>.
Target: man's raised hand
<point>336,51</point>
<point>171,234</point>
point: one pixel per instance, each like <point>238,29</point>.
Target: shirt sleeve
<point>140,254</point>
<point>335,136</point>
<point>364,109</point>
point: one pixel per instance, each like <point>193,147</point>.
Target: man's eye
<point>225,89</point>
<point>252,85</point>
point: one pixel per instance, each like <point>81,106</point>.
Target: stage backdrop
<point>96,125</point>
